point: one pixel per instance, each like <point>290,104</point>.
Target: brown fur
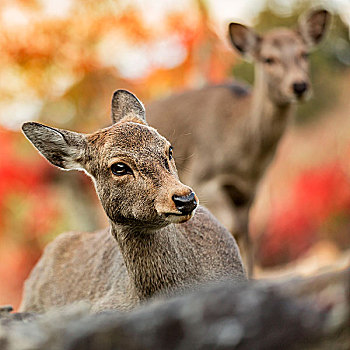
<point>145,252</point>
<point>225,136</point>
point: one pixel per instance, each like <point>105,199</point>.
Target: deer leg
<point>246,246</point>
<point>241,203</point>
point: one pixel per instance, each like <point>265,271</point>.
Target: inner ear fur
<point>313,26</point>
<point>244,39</point>
<point>63,148</point>
<point>127,107</point>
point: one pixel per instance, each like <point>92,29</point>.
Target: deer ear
<point>127,105</point>
<point>313,26</point>
<point>62,148</point>
<point>244,39</point>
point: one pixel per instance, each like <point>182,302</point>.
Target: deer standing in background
<point>224,136</point>
<point>146,251</point>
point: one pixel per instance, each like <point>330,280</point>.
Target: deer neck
<point>267,123</point>
<point>266,114</point>
<point>157,261</point>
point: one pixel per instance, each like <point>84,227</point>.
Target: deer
<point>226,136</point>
<point>160,241</point>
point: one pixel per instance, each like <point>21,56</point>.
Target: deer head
<point>281,55</point>
<point>131,165</point>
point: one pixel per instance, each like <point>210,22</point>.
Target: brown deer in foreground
<point>146,251</point>
<point>225,136</point>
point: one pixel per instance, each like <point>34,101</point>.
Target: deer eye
<point>120,169</point>
<point>170,153</point>
<point>304,55</point>
<point>269,60</point>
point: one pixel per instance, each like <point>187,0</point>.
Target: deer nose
<point>300,88</point>
<point>185,204</point>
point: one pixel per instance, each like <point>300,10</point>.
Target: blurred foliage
<point>70,65</point>
<point>318,209</point>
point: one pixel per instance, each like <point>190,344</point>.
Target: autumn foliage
<point>27,212</point>
<point>318,208</point>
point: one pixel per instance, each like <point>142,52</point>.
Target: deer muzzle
<point>185,204</point>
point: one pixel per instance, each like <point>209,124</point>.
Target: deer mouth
<point>178,218</point>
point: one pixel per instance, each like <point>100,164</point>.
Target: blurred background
<point>60,62</point>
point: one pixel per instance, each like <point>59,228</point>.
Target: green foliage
<point>244,71</point>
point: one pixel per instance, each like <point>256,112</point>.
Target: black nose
<point>299,88</point>
<point>185,204</point>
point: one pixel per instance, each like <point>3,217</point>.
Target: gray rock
<point>309,313</point>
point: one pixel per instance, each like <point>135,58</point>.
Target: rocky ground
<point>303,313</point>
